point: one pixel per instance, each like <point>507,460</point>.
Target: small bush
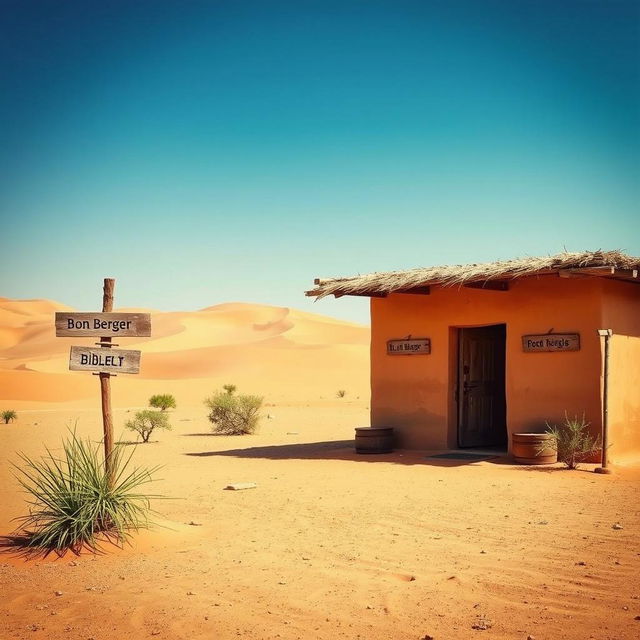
<point>341,393</point>
<point>71,503</point>
<point>234,415</point>
<point>572,441</point>
<point>145,422</point>
<point>9,415</point>
<point>162,401</point>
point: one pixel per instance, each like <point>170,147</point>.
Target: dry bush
<point>234,415</point>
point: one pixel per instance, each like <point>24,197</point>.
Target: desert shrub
<point>341,393</point>
<point>9,415</point>
<point>72,504</point>
<point>162,401</point>
<point>234,415</point>
<point>572,441</point>
<point>229,388</point>
<point>145,422</point>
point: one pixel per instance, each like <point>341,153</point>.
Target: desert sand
<point>330,544</point>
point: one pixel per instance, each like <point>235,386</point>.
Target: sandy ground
<point>332,544</point>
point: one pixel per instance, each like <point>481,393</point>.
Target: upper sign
<point>409,347</point>
<point>104,360</point>
<point>103,324</point>
<point>552,342</point>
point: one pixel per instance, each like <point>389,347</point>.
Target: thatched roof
<point>490,275</point>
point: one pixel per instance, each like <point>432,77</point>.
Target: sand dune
<point>264,349</point>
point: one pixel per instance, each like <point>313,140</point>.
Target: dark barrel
<point>374,439</point>
<point>533,448</point>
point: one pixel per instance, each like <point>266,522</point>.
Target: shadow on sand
<point>548,468</point>
<point>343,450</point>
<point>206,434</point>
<point>18,545</point>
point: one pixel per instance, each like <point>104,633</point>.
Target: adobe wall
<point>621,313</point>
<point>415,394</point>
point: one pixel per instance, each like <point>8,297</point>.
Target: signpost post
<point>105,387</point>
<point>105,361</point>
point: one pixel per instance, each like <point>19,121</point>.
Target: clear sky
<point>204,152</point>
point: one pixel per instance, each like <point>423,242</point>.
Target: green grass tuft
<point>572,441</point>
<point>9,415</point>
<point>71,503</point>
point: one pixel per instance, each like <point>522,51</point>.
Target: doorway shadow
<point>340,450</point>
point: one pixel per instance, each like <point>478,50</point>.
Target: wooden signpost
<point>104,360</point>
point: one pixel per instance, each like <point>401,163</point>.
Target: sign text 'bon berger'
<point>409,347</point>
<point>551,342</point>
<point>126,325</point>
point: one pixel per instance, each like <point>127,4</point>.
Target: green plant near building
<point>573,441</point>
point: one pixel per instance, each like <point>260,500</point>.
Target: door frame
<point>458,382</point>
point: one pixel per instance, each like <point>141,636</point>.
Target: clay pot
<point>374,439</point>
<point>526,448</point>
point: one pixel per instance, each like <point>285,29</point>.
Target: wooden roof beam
<point>423,291</point>
<point>364,294</point>
<point>490,285</point>
<point>602,272</point>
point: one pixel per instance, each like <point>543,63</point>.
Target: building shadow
<point>342,450</point>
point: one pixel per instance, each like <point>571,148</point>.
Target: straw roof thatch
<point>614,264</point>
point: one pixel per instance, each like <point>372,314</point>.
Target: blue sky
<point>204,152</point>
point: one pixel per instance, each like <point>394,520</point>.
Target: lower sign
<point>104,360</point>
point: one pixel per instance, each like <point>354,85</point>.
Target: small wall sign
<point>409,347</point>
<point>551,342</point>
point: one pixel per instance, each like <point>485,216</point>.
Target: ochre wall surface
<point>621,313</point>
<point>415,394</point>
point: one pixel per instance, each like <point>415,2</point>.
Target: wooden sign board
<point>551,342</point>
<point>103,324</point>
<point>409,347</point>
<point>104,360</point>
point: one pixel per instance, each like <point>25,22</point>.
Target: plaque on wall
<point>551,342</point>
<point>409,347</point>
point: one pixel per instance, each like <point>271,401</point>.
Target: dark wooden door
<point>481,387</point>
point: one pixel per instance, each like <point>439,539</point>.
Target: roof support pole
<point>606,334</point>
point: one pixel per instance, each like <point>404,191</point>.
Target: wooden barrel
<point>533,448</point>
<point>374,439</point>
